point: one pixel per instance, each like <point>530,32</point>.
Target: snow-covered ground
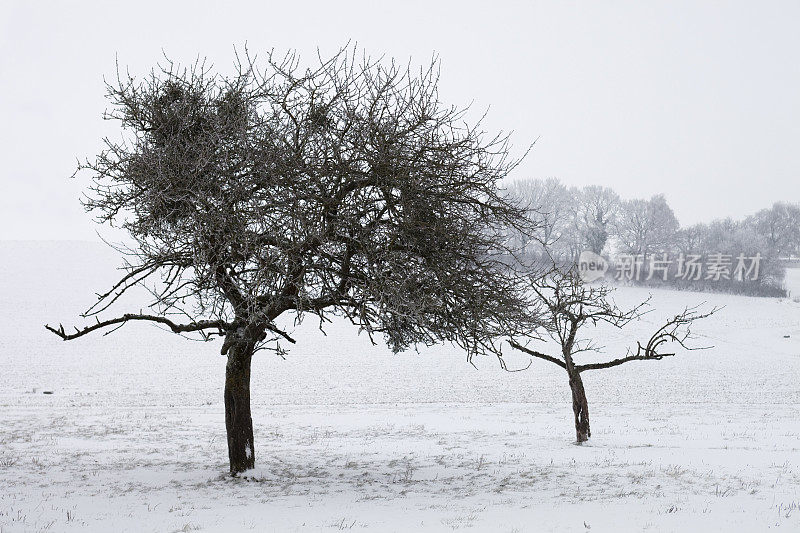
<point>351,437</point>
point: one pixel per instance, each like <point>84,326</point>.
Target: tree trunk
<point>580,406</point>
<point>238,421</point>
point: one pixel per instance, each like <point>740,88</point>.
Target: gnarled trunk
<point>238,420</point>
<point>580,407</point>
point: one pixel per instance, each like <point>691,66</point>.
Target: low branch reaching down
<point>219,325</point>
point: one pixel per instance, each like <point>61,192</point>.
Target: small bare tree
<point>343,189</point>
<point>569,305</point>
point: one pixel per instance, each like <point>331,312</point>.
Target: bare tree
<point>644,227</point>
<point>780,226</point>
<point>343,189</point>
<point>550,206</point>
<point>571,305</point>
<point>690,239</point>
<point>594,214</point>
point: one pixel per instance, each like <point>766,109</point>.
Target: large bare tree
<point>594,213</point>
<point>551,207</point>
<point>571,305</point>
<point>780,226</point>
<point>346,188</point>
<point>643,227</point>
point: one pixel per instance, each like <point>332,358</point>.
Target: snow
<point>351,437</point>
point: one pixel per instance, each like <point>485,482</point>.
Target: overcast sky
<point>696,100</point>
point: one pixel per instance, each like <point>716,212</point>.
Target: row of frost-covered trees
<point>572,220</point>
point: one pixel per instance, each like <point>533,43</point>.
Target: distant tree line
<point>644,242</point>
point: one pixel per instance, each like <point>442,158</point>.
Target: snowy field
<point>351,437</point>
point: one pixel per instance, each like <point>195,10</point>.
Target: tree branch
<point>176,328</point>
<point>621,360</point>
<point>280,332</point>
<point>676,330</point>
<point>540,355</point>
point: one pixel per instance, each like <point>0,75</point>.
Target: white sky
<point>698,100</point>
